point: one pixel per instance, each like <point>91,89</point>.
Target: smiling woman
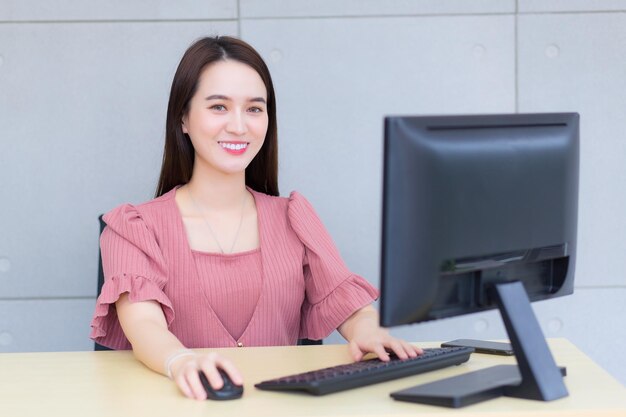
<point>218,259</point>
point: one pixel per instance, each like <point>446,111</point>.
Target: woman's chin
<point>229,170</point>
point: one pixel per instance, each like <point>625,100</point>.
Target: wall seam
<point>50,298</point>
<point>516,58</point>
<point>109,21</point>
<point>239,19</point>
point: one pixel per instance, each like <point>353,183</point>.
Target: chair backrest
<point>98,346</point>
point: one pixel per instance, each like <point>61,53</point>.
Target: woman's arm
<point>154,345</point>
<point>364,334</point>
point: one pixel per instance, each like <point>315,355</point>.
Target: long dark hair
<point>178,155</point>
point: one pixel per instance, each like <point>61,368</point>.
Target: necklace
<point>197,207</point>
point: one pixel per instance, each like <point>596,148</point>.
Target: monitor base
<point>463,390</point>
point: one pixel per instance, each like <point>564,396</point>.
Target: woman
<point>218,259</point>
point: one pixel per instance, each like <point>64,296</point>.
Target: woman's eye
<point>255,109</point>
<point>218,107</point>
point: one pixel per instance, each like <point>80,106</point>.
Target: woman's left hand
<point>365,335</point>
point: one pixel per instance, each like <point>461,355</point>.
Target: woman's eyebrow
<point>217,97</point>
<point>223,97</point>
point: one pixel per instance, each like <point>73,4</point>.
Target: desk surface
<point>115,384</point>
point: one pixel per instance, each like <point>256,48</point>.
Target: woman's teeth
<point>234,146</point>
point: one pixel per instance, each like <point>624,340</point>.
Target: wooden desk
<point>115,384</point>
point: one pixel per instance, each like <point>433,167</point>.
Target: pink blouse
<point>234,283</point>
<point>306,290</point>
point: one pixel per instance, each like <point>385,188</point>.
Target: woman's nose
<point>236,124</point>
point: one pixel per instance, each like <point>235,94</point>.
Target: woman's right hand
<point>185,373</point>
<point>145,327</point>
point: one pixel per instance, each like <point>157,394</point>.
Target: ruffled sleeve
<point>132,262</point>
<point>333,293</point>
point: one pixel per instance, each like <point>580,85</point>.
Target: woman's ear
<point>184,124</point>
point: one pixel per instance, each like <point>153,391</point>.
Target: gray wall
<point>83,91</point>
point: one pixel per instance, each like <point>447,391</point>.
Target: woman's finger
<point>183,385</point>
<point>186,377</point>
<point>355,351</point>
<point>230,369</point>
<point>397,348</point>
<point>193,380</point>
<point>409,350</point>
<point>212,374</point>
<point>380,351</point>
<point>417,350</point>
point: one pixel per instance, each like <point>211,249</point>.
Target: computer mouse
<point>229,391</point>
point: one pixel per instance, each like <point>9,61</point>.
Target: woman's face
<point>227,118</point>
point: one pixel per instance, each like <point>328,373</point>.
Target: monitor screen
<point>480,212</point>
<point>469,201</point>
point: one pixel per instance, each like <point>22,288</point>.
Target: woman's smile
<point>234,147</point>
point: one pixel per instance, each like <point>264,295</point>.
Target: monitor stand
<point>536,376</point>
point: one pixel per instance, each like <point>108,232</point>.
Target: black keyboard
<point>358,374</point>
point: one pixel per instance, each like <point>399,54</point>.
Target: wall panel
<point>570,5</point>
<point>72,10</point>
<point>45,325</point>
<point>577,63</point>
<point>303,8</point>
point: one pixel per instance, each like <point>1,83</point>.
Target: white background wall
<point>83,92</point>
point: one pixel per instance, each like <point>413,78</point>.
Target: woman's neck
<point>217,191</point>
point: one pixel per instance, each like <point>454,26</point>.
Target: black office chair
<point>98,346</point>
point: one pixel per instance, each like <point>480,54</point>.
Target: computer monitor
<point>480,212</point>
